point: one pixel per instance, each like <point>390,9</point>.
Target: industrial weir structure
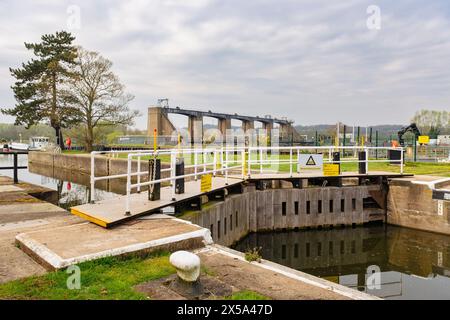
<point>158,120</point>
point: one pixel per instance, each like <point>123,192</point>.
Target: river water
<point>412,264</point>
<point>70,193</point>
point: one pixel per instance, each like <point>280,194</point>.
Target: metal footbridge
<point>187,175</point>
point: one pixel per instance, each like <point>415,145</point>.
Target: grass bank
<point>104,279</point>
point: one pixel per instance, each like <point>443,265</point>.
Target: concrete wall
<point>411,205</point>
<point>256,210</point>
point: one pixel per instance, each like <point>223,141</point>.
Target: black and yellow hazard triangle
<point>310,161</point>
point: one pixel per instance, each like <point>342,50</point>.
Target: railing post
<point>204,160</point>
<point>195,163</point>
<point>226,170</point>
<point>214,162</point>
<point>260,160</point>
<point>173,173</point>
<point>93,177</point>
<point>221,159</point>
<point>249,166</point>
<point>127,204</point>
<point>243,163</point>
<point>139,175</point>
<point>298,159</point>
<point>290,162</point>
<point>367,160</point>
<point>16,178</point>
<point>401,161</point>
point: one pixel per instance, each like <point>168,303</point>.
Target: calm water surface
<point>72,189</point>
<point>413,264</point>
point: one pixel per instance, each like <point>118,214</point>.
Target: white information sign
<point>310,161</point>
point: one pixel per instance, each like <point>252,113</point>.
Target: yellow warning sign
<point>330,169</point>
<point>206,183</point>
<point>424,139</point>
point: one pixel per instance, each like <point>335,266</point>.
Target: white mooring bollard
<point>187,265</point>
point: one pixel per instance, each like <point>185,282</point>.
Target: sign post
<point>206,183</point>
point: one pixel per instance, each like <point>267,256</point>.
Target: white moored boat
<point>38,143</point>
<point>19,146</point>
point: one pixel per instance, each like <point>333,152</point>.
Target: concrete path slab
<point>9,188</point>
<point>271,279</point>
<point>60,247</point>
<point>14,213</point>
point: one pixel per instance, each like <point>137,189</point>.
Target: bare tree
<point>432,122</point>
<point>99,95</point>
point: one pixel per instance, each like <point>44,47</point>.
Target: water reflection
<point>413,264</point>
<point>72,188</point>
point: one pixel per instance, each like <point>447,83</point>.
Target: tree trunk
<point>59,137</point>
<point>89,139</point>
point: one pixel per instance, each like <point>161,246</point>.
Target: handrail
<point>245,160</point>
<point>15,166</point>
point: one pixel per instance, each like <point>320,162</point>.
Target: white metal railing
<point>244,160</point>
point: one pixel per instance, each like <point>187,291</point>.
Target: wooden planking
<point>107,213</point>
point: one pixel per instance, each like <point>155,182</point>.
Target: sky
<point>313,61</point>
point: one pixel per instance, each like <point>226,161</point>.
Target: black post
<point>362,165</point>
<point>179,171</point>
<point>16,179</point>
<point>370,136</point>
<point>415,147</point>
<point>317,141</point>
<point>359,131</point>
<point>154,172</point>
<point>337,159</point>
<point>376,145</point>
<point>345,132</point>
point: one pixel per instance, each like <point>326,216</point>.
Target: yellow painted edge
<point>89,218</point>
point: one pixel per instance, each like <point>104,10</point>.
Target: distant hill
<point>385,132</point>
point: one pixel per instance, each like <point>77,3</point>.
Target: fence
<point>15,167</point>
<point>242,161</point>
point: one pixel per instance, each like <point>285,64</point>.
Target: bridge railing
<point>240,161</point>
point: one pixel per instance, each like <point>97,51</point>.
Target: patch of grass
<point>253,255</point>
<point>108,278</point>
<point>247,295</point>
<point>74,152</point>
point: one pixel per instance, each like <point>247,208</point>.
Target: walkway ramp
<point>107,213</point>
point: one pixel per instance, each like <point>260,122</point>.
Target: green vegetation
<point>74,152</point>
<point>253,255</point>
<point>40,87</point>
<point>104,279</point>
<point>108,278</point>
<point>247,295</point>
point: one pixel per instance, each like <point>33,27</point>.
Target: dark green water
<point>413,264</point>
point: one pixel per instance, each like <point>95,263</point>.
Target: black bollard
<point>16,178</point>
<point>337,159</point>
<point>154,171</point>
<point>362,165</point>
<point>179,171</point>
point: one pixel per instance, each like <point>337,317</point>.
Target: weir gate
<point>233,191</point>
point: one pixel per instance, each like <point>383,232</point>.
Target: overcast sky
<point>314,61</point>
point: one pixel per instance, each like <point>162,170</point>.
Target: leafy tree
<point>432,122</point>
<point>99,95</point>
<point>41,88</point>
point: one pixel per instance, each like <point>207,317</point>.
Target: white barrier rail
<point>217,161</point>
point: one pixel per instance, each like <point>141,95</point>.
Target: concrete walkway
<point>20,212</point>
